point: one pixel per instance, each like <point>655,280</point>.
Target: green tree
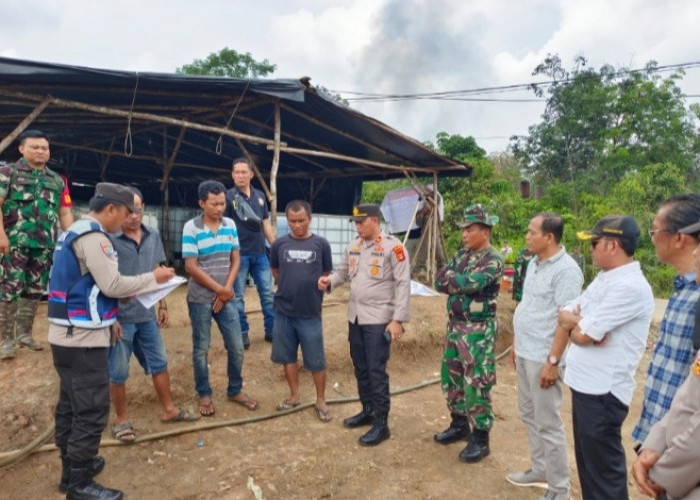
<point>228,62</point>
<point>600,124</point>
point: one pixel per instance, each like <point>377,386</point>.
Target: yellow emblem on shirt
<point>374,271</point>
<point>696,367</point>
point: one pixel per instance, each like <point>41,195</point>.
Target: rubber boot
<point>458,429</point>
<point>96,466</point>
<point>82,487</point>
<point>477,448</point>
<point>378,433</point>
<point>8,311</point>
<point>365,417</point>
<point>26,310</point>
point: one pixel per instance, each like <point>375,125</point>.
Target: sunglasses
<point>594,243</point>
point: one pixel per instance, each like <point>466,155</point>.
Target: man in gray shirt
<point>139,250</point>
<point>553,278</point>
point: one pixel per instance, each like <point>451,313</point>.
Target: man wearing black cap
<point>33,200</point>
<point>376,264</point>
<point>83,290</point>
<point>608,325</point>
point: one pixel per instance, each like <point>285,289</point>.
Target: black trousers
<point>600,457</point>
<point>369,351</point>
<point>82,411</point>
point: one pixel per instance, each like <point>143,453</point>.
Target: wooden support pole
<point>275,166</point>
<point>171,161</point>
<point>25,123</point>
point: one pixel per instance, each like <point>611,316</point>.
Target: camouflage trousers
<point>469,370</point>
<point>25,273</point>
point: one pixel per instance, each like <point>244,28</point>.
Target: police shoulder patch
<point>399,252</point>
<point>108,249</point>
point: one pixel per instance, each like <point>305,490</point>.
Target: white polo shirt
<point>620,303</point>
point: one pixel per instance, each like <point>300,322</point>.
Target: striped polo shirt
<point>212,251</point>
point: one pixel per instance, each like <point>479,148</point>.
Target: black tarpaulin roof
<point>167,131</point>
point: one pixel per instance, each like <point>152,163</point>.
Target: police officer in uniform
<point>669,459</point>
<point>83,290</point>
<point>376,264</point>
<point>471,279</point>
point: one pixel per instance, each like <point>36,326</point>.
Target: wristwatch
<point>553,360</point>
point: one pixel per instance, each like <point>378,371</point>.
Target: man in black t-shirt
<point>298,260</point>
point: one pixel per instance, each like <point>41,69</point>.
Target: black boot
<point>477,448</point>
<point>458,429</point>
<point>82,487</point>
<point>365,417</point>
<point>378,433</point>
<point>98,463</point>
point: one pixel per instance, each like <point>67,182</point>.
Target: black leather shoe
<point>365,417</point>
<point>458,430</point>
<point>378,433</point>
<point>477,448</point>
<point>97,465</point>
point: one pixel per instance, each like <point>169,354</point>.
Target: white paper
<point>149,299</point>
<point>421,290</point>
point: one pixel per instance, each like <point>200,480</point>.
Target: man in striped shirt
<point>673,353</point>
<point>211,253</point>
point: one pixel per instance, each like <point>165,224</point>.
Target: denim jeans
<point>259,268</point>
<point>146,342</point>
<point>227,321</point>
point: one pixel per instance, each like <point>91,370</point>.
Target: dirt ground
<point>239,454</point>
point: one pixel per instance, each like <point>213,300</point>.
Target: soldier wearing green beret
<point>471,279</point>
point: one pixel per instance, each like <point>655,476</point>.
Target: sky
<point>371,46</point>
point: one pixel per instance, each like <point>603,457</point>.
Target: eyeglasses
<point>652,232</point>
<point>594,243</point>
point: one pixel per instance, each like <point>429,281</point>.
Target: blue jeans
<point>227,321</point>
<point>259,268</point>
<point>145,341</point>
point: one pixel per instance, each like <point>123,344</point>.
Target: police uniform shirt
<point>380,280</point>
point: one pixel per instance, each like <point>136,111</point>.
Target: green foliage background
<point>610,141</point>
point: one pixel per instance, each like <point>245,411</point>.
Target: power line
<point>468,94</point>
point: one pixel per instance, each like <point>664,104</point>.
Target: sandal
<point>324,416</point>
<point>182,416</point>
<point>207,409</point>
<point>247,401</point>
<point>287,405</point>
<point>124,432</point>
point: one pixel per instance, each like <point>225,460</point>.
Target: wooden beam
<point>104,110</point>
<point>352,159</point>
<point>25,123</point>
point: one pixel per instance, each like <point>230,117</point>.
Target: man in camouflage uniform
<point>520,270</point>
<point>471,279</point>
<point>33,199</point>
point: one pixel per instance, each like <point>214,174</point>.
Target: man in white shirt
<point>608,326</point>
<point>553,280</point>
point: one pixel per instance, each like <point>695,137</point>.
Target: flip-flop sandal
<point>208,406</point>
<point>287,405</point>
<point>250,403</point>
<point>124,432</point>
<point>182,416</point>
<point>323,415</point>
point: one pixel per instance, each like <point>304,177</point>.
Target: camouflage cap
<point>477,214</point>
